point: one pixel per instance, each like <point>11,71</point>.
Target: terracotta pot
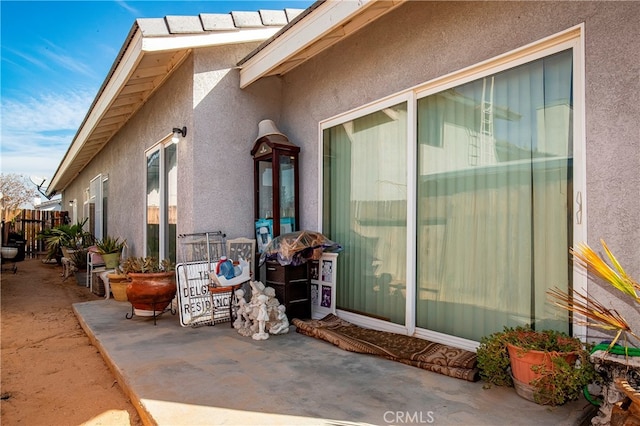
<point>522,360</point>
<point>152,292</point>
<point>118,284</point>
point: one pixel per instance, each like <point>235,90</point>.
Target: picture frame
<point>325,301</point>
<point>264,233</point>
<point>287,225</point>
<point>315,299</point>
<point>327,270</point>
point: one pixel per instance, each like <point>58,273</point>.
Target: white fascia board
<point>323,20</point>
<point>180,42</point>
<point>118,79</point>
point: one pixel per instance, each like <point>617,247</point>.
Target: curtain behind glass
<point>153,204</point>
<point>494,176</point>
<point>95,207</point>
<point>365,208</point>
<point>171,172</point>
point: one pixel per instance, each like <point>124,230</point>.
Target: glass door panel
<point>365,209</point>
<point>493,202</point>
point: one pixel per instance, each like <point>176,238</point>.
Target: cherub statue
<point>262,318</point>
<point>242,311</point>
<point>272,307</point>
<point>282,326</point>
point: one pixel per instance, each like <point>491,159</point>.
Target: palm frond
<point>595,314</point>
<point>585,257</point>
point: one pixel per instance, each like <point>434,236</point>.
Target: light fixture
<point>177,131</point>
<point>70,203</point>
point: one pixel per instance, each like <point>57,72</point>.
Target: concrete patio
<point>212,375</point>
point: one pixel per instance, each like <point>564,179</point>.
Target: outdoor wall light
<point>71,203</point>
<point>177,131</point>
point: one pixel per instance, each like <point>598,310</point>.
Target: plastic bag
<point>295,248</point>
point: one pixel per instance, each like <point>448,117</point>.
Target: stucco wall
<point>220,171</point>
<point>123,159</point>
<point>423,40</point>
<point>215,167</point>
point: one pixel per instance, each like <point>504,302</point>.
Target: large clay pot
<point>151,293</point>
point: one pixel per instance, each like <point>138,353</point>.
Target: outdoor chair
<point>99,268</point>
<point>94,261</point>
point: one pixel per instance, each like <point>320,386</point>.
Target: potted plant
<point>62,240</point>
<point>110,249</point>
<point>118,282</point>
<point>548,367</point>
<point>152,286</point>
<point>79,259</point>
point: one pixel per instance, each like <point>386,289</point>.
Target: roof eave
<point>325,24</point>
<point>137,45</point>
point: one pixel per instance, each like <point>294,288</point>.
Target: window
<point>493,200</point>
<point>93,208</point>
<point>365,208</point>
<point>161,201</point>
<point>467,236</point>
<point>105,205</point>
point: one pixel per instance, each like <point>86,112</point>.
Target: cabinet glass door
<point>265,190</point>
<point>287,194</point>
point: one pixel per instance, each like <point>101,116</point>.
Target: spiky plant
<point>595,313</point>
<point>146,265</point>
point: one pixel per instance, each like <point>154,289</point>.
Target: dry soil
<point>51,374</point>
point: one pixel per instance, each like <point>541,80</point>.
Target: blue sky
<point>56,55</point>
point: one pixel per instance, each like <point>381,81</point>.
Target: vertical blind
<point>494,176</point>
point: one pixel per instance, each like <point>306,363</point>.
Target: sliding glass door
<point>365,209</point>
<point>494,194</point>
<point>487,187</point>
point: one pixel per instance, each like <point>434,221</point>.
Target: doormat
<point>436,357</point>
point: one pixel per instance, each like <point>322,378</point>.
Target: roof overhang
<point>325,25</point>
<point>145,61</point>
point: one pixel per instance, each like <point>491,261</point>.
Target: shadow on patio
<point>212,375</point>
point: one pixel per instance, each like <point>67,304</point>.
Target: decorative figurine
<point>262,318</point>
<point>242,312</point>
<point>225,268</point>
<point>282,326</point>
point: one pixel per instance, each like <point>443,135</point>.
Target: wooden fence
<point>29,223</point>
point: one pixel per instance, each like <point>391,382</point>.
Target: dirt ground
<point>51,374</point>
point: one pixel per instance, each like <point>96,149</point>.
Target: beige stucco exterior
<point>413,44</point>
<point>421,41</point>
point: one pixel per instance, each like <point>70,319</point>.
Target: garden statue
<point>242,312</point>
<point>262,318</point>
<point>282,326</point>
<point>262,315</point>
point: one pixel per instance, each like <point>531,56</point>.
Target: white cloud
<point>30,59</point>
<point>48,112</point>
<point>59,56</point>
<point>36,132</point>
<point>128,8</point>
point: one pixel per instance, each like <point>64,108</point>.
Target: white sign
<point>194,300</point>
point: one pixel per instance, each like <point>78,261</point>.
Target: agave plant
<point>595,313</point>
<point>109,245</point>
<point>146,265</point>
